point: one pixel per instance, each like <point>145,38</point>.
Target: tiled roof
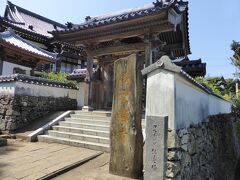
<point>149,9</point>
<point>193,67</point>
<point>79,72</point>
<point>10,38</point>
<point>30,21</point>
<point>34,80</point>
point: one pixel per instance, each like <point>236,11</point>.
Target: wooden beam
<point>118,49</point>
<point>170,47</point>
<point>124,33</point>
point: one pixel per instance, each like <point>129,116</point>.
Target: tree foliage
<point>219,86</point>
<point>235,47</point>
<point>61,77</point>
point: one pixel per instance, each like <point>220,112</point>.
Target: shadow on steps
<point>38,123</point>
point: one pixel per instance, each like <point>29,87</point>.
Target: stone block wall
<point>18,111</point>
<point>3,142</point>
<point>208,150</point>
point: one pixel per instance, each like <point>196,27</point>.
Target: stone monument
<point>126,131</point>
<point>156,148</point>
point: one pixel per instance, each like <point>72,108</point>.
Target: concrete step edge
<point>80,119</point>
<point>93,112</point>
<point>86,124</point>
<point>91,116</point>
<point>74,141</point>
<point>83,129</point>
<point>81,135</point>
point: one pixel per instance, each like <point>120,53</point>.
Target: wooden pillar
<point>90,74</point>
<point>152,48</point>
<point>126,130</point>
<point>89,81</point>
<point>58,64</point>
<point>108,85</point>
<point>1,65</point>
<point>148,54</point>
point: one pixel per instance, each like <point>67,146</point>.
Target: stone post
<point>126,131</point>
<point>156,148</point>
<point>83,95</point>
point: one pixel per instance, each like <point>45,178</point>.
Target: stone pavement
<point>96,169</point>
<point>29,161</point>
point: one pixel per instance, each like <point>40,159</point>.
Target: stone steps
<point>83,129</point>
<point>94,113</point>
<point>87,121</point>
<point>77,143</point>
<point>91,117</point>
<point>85,125</point>
<point>81,137</point>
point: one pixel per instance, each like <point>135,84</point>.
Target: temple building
<point>35,30</point>
<point>18,56</point>
<point>154,30</point>
<point>87,51</point>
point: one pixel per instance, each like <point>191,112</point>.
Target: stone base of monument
<point>3,142</point>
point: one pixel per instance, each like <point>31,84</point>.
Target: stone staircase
<point>83,129</point>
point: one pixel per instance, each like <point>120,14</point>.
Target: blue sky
<point>213,24</point>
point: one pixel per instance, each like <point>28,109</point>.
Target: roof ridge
<point>30,13</point>
<point>10,31</point>
<point>123,12</point>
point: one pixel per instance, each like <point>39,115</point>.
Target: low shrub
<point>61,77</point>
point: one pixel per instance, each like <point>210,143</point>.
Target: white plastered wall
<point>160,95</point>
<point>170,94</point>
<point>26,89</point>
<point>8,68</point>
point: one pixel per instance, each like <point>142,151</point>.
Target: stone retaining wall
<point>3,142</point>
<point>208,150</point>
<point>18,111</point>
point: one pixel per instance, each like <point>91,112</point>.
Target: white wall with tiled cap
<point>193,105</point>
<point>27,89</point>
<point>172,93</point>
<point>8,68</point>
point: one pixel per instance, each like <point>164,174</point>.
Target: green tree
<point>235,47</point>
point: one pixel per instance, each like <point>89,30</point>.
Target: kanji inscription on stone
<point>126,131</point>
<point>156,147</point>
